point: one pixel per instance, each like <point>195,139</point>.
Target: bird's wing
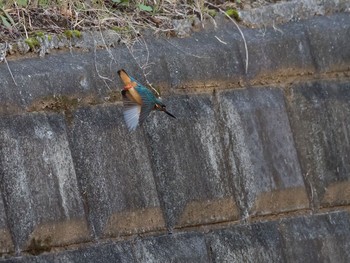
<point>148,102</point>
<point>131,112</point>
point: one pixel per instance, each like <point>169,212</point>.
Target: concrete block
<point>6,244</point>
<point>102,253</point>
<point>114,172</point>
<point>189,247</point>
<point>275,53</point>
<point>279,13</point>
<point>69,74</point>
<point>188,163</point>
<point>259,144</point>
<point>291,10</point>
<point>39,186</point>
<point>260,242</point>
<point>322,238</point>
<point>331,50</point>
<point>320,119</point>
<point>198,61</point>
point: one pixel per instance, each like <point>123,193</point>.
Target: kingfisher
<point>139,101</point>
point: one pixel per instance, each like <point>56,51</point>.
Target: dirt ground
<point>20,21</point>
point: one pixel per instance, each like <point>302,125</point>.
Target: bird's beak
<point>167,112</point>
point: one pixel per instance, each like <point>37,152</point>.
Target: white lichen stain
<point>43,132</point>
<point>57,155</point>
<point>209,138</point>
<point>17,182</point>
<point>84,83</point>
<point>241,150</point>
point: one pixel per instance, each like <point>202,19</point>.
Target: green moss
<point>44,3</point>
<point>233,13</point>
<point>49,37</point>
<point>77,33</point>
<point>212,12</point>
<point>32,42</point>
<point>68,34</point>
<point>40,34</point>
<point>120,29</point>
<point>72,33</point>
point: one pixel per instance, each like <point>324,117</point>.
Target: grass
<point>23,18</point>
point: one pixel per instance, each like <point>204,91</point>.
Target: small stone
<point>3,51</point>
<point>182,27</point>
<point>22,47</point>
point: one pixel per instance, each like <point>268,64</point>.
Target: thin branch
<point>185,52</point>
<point>240,31</point>
<point>223,42</point>
<point>98,73</point>
<point>146,65</point>
<point>24,24</point>
<point>9,69</point>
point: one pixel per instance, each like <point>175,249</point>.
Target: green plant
<point>72,33</point>
<point>212,12</point>
<point>121,2</point>
<point>44,3</point>
<point>233,13</point>
<point>6,19</point>
<point>22,3</point>
<point>40,34</point>
<point>121,29</point>
<point>145,8</point>
<point>32,42</point>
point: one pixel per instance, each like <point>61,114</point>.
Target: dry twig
<point>240,31</point>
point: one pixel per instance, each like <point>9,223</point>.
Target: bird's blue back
<point>136,111</point>
<point>146,94</point>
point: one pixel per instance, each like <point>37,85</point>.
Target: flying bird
<point>139,101</point>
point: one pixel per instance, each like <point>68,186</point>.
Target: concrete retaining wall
<point>254,169</point>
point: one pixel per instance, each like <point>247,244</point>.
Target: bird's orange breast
<point>130,85</point>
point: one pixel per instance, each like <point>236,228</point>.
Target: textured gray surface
<point>292,10</point>
<point>114,172</point>
<point>6,244</point>
<point>309,238</point>
<point>230,157</point>
<point>319,115</point>
<point>188,163</point>
<point>39,182</point>
<point>259,145</point>
<point>102,253</point>
<point>323,238</point>
<point>189,248</point>
<point>330,51</point>
<point>249,243</point>
<point>283,51</point>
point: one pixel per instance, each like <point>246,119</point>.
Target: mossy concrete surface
<point>254,168</point>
